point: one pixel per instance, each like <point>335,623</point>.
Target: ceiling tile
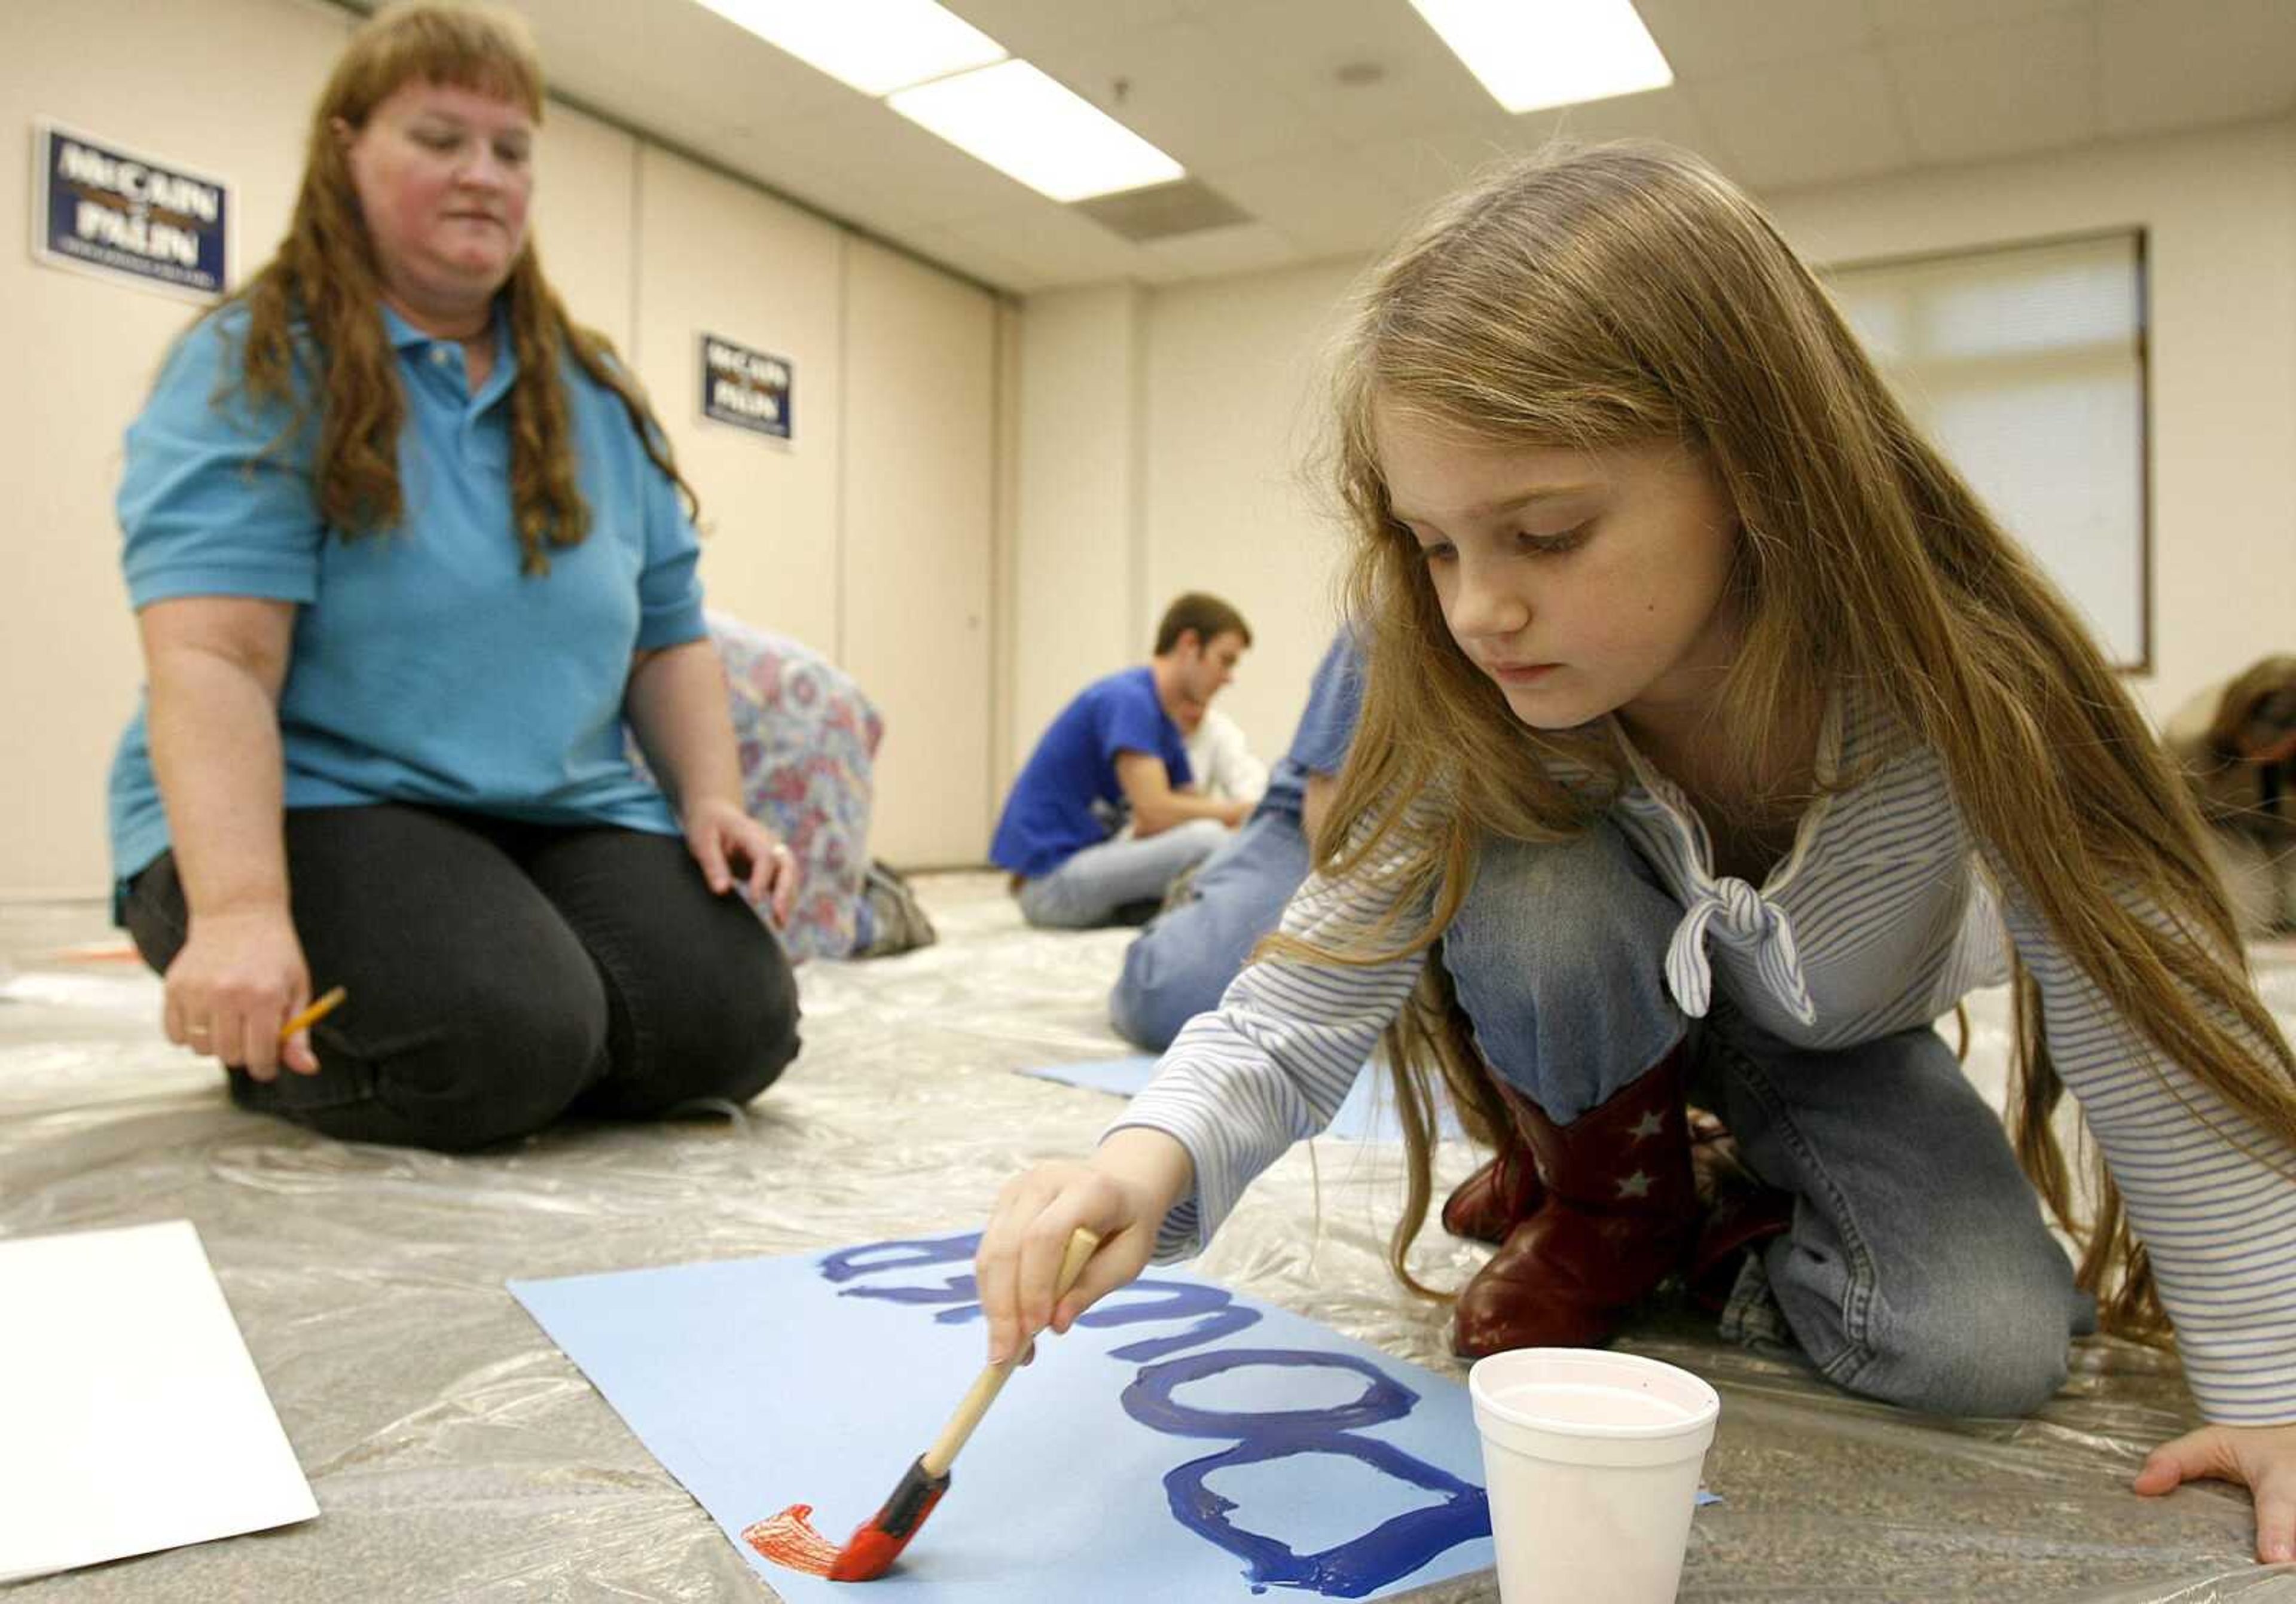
<point>2163,66</point>
<point>1708,38</point>
<point>1427,164</point>
<point>1424,166</point>
<point>1181,89</point>
<point>1998,91</point>
<point>1897,21</point>
<point>1328,204</point>
<point>1213,252</point>
<point>1776,93</point>
<point>1052,241</point>
<point>630,58</point>
<point>894,159</point>
<point>1663,114</point>
<point>1809,122</point>
<point>1023,26</point>
<point>1296,48</point>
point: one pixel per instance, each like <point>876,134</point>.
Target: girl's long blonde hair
<point>324,285</point>
<point>1590,298</point>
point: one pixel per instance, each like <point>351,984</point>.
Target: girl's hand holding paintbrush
<point>790,1539</point>
<point>1122,1196</point>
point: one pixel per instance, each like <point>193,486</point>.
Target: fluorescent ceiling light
<point>876,45</point>
<point>1534,53</point>
<point>1024,124</point>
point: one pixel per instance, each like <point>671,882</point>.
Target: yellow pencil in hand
<point>319,1009</point>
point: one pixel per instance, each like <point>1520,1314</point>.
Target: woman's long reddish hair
<point>317,300</point>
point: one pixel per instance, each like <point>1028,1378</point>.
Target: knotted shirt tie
<point>1732,911</point>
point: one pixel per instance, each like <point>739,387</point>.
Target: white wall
<point>921,365</point>
<point>643,245</point>
<point>1236,408</point>
<point>1076,554</point>
<point>1161,444</point>
<point>715,255</point>
<point>1230,407</point>
<point>584,219</point>
<point>81,352</point>
<point>2219,209</point>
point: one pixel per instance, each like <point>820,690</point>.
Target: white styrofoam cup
<point>1592,1461</point>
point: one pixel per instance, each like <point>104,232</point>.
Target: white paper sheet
<point>132,1418</point>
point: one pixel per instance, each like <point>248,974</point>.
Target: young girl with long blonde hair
<point>1714,730</point>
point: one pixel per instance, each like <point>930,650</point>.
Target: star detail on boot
<point>1636,1185</point>
<point>1649,1125</point>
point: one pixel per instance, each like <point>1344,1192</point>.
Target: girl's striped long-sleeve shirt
<point>1881,919</point>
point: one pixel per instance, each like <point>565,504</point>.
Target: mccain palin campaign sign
<point>102,208</point>
<point>749,389</point>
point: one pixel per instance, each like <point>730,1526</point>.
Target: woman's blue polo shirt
<point>425,666</point>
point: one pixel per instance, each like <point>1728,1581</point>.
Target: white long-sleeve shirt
<point>1220,758</point>
<point>1879,920</point>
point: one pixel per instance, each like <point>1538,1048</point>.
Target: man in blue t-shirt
<point>1179,965</point>
<point>1116,753</point>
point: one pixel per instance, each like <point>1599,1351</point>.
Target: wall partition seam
<point>843,491</point>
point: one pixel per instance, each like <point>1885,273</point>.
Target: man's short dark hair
<point>1204,613</point>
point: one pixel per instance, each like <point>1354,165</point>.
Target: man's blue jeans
<point>1177,967</point>
<point>1090,886</point>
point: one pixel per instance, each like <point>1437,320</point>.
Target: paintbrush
<point>879,1540</point>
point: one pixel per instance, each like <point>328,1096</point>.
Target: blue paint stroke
<point>1390,1552</point>
<point>956,1289</point>
<point>1179,1300</point>
<point>917,1252</point>
<point>1163,1299</point>
<point>874,1258</point>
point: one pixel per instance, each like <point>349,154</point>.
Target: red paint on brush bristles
<point>789,1539</point>
<point>869,1555</point>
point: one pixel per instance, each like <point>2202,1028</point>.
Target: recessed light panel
<point>1028,127</point>
<point>876,45</point>
<point>1535,53</point>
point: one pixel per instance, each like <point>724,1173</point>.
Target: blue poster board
<point>1182,1441</point>
<point>99,207</point>
<point>749,389</point>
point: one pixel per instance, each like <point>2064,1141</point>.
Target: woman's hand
<point>730,844</point>
<point>238,979</point>
<point>1121,1195</point>
<point>2262,1458</point>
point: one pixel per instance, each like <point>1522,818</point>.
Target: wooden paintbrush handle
<point>936,1460</point>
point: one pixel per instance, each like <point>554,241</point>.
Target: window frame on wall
<point>2138,238</point>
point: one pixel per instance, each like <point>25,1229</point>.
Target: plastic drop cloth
<point>457,1455</point>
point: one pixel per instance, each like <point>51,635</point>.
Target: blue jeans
<point>1177,967</point>
<point>1089,886</point>
<point>1917,1269</point>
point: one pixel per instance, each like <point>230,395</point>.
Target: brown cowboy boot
<point>1620,1212</point>
<point>1497,1198</point>
<point>1741,1211</point>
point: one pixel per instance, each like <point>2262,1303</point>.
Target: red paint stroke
<point>788,1539</point>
